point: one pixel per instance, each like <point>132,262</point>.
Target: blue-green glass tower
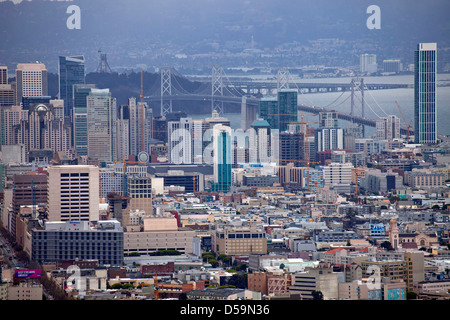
<point>425,116</point>
<point>71,72</point>
<point>281,110</point>
<point>222,158</point>
<point>268,110</point>
<point>287,108</point>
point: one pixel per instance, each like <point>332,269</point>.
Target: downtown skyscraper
<point>222,158</point>
<point>31,81</point>
<point>279,112</point>
<point>101,125</point>
<point>70,72</point>
<point>425,116</point>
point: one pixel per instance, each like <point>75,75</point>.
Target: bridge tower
<point>283,78</point>
<point>358,84</point>
<point>217,89</point>
<point>103,66</point>
<point>166,89</point>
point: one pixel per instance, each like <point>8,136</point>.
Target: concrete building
<point>409,268</point>
<point>424,179</point>
<point>24,291</point>
<point>239,241</point>
<point>269,284</point>
<point>336,175</point>
<point>180,146</point>
<point>61,241</point>
<point>159,233</point>
<point>101,125</point>
<point>375,181</point>
<point>321,279</point>
<point>392,66</point>
<point>368,63</point>
<point>31,79</point>
<point>388,128</point>
<point>73,193</point>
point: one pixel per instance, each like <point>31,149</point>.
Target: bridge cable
<point>365,87</point>
<point>336,100</point>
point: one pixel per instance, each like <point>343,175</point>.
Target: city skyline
<point>226,151</point>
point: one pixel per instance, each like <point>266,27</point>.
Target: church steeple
<point>393,234</point>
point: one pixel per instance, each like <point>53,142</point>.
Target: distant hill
<point>137,31</point>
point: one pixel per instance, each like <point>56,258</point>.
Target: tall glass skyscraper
<point>425,116</point>
<point>71,71</point>
<point>223,158</point>
<point>80,139</point>
<point>101,125</point>
<point>280,111</point>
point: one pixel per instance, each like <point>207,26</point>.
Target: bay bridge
<point>219,90</point>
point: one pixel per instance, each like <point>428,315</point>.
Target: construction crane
<point>403,118</point>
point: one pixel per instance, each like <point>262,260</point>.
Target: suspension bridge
<point>219,90</point>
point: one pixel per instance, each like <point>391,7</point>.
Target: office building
<point>392,66</point>
<point>249,113</point>
<point>7,90</point>
<point>321,279</point>
<point>268,110</point>
<point>368,63</point>
<point>101,125</point>
<point>338,175</point>
<point>287,108</point>
<point>239,241</point>
<point>76,240</point>
<point>190,181</point>
<point>424,179</point>
<point>12,118</point>
<point>80,129</point>
<point>199,140</point>
<point>425,109</point>
<point>280,111</point>
<point>159,233</point>
<point>222,158</point>
<point>31,80</point>
<point>73,193</point>
<point>328,119</point>
<point>3,75</point>
<point>376,182</point>
<point>123,133</point>
<point>141,119</point>
<point>259,146</point>
<point>37,129</point>
<point>216,119</point>
<point>180,141</point>
<point>292,149</point>
<point>71,72</point>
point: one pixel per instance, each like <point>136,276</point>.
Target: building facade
<point>71,71</point>
<point>73,193</point>
<point>31,80</point>
<point>76,240</point>
<point>101,125</point>
<point>425,72</point>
